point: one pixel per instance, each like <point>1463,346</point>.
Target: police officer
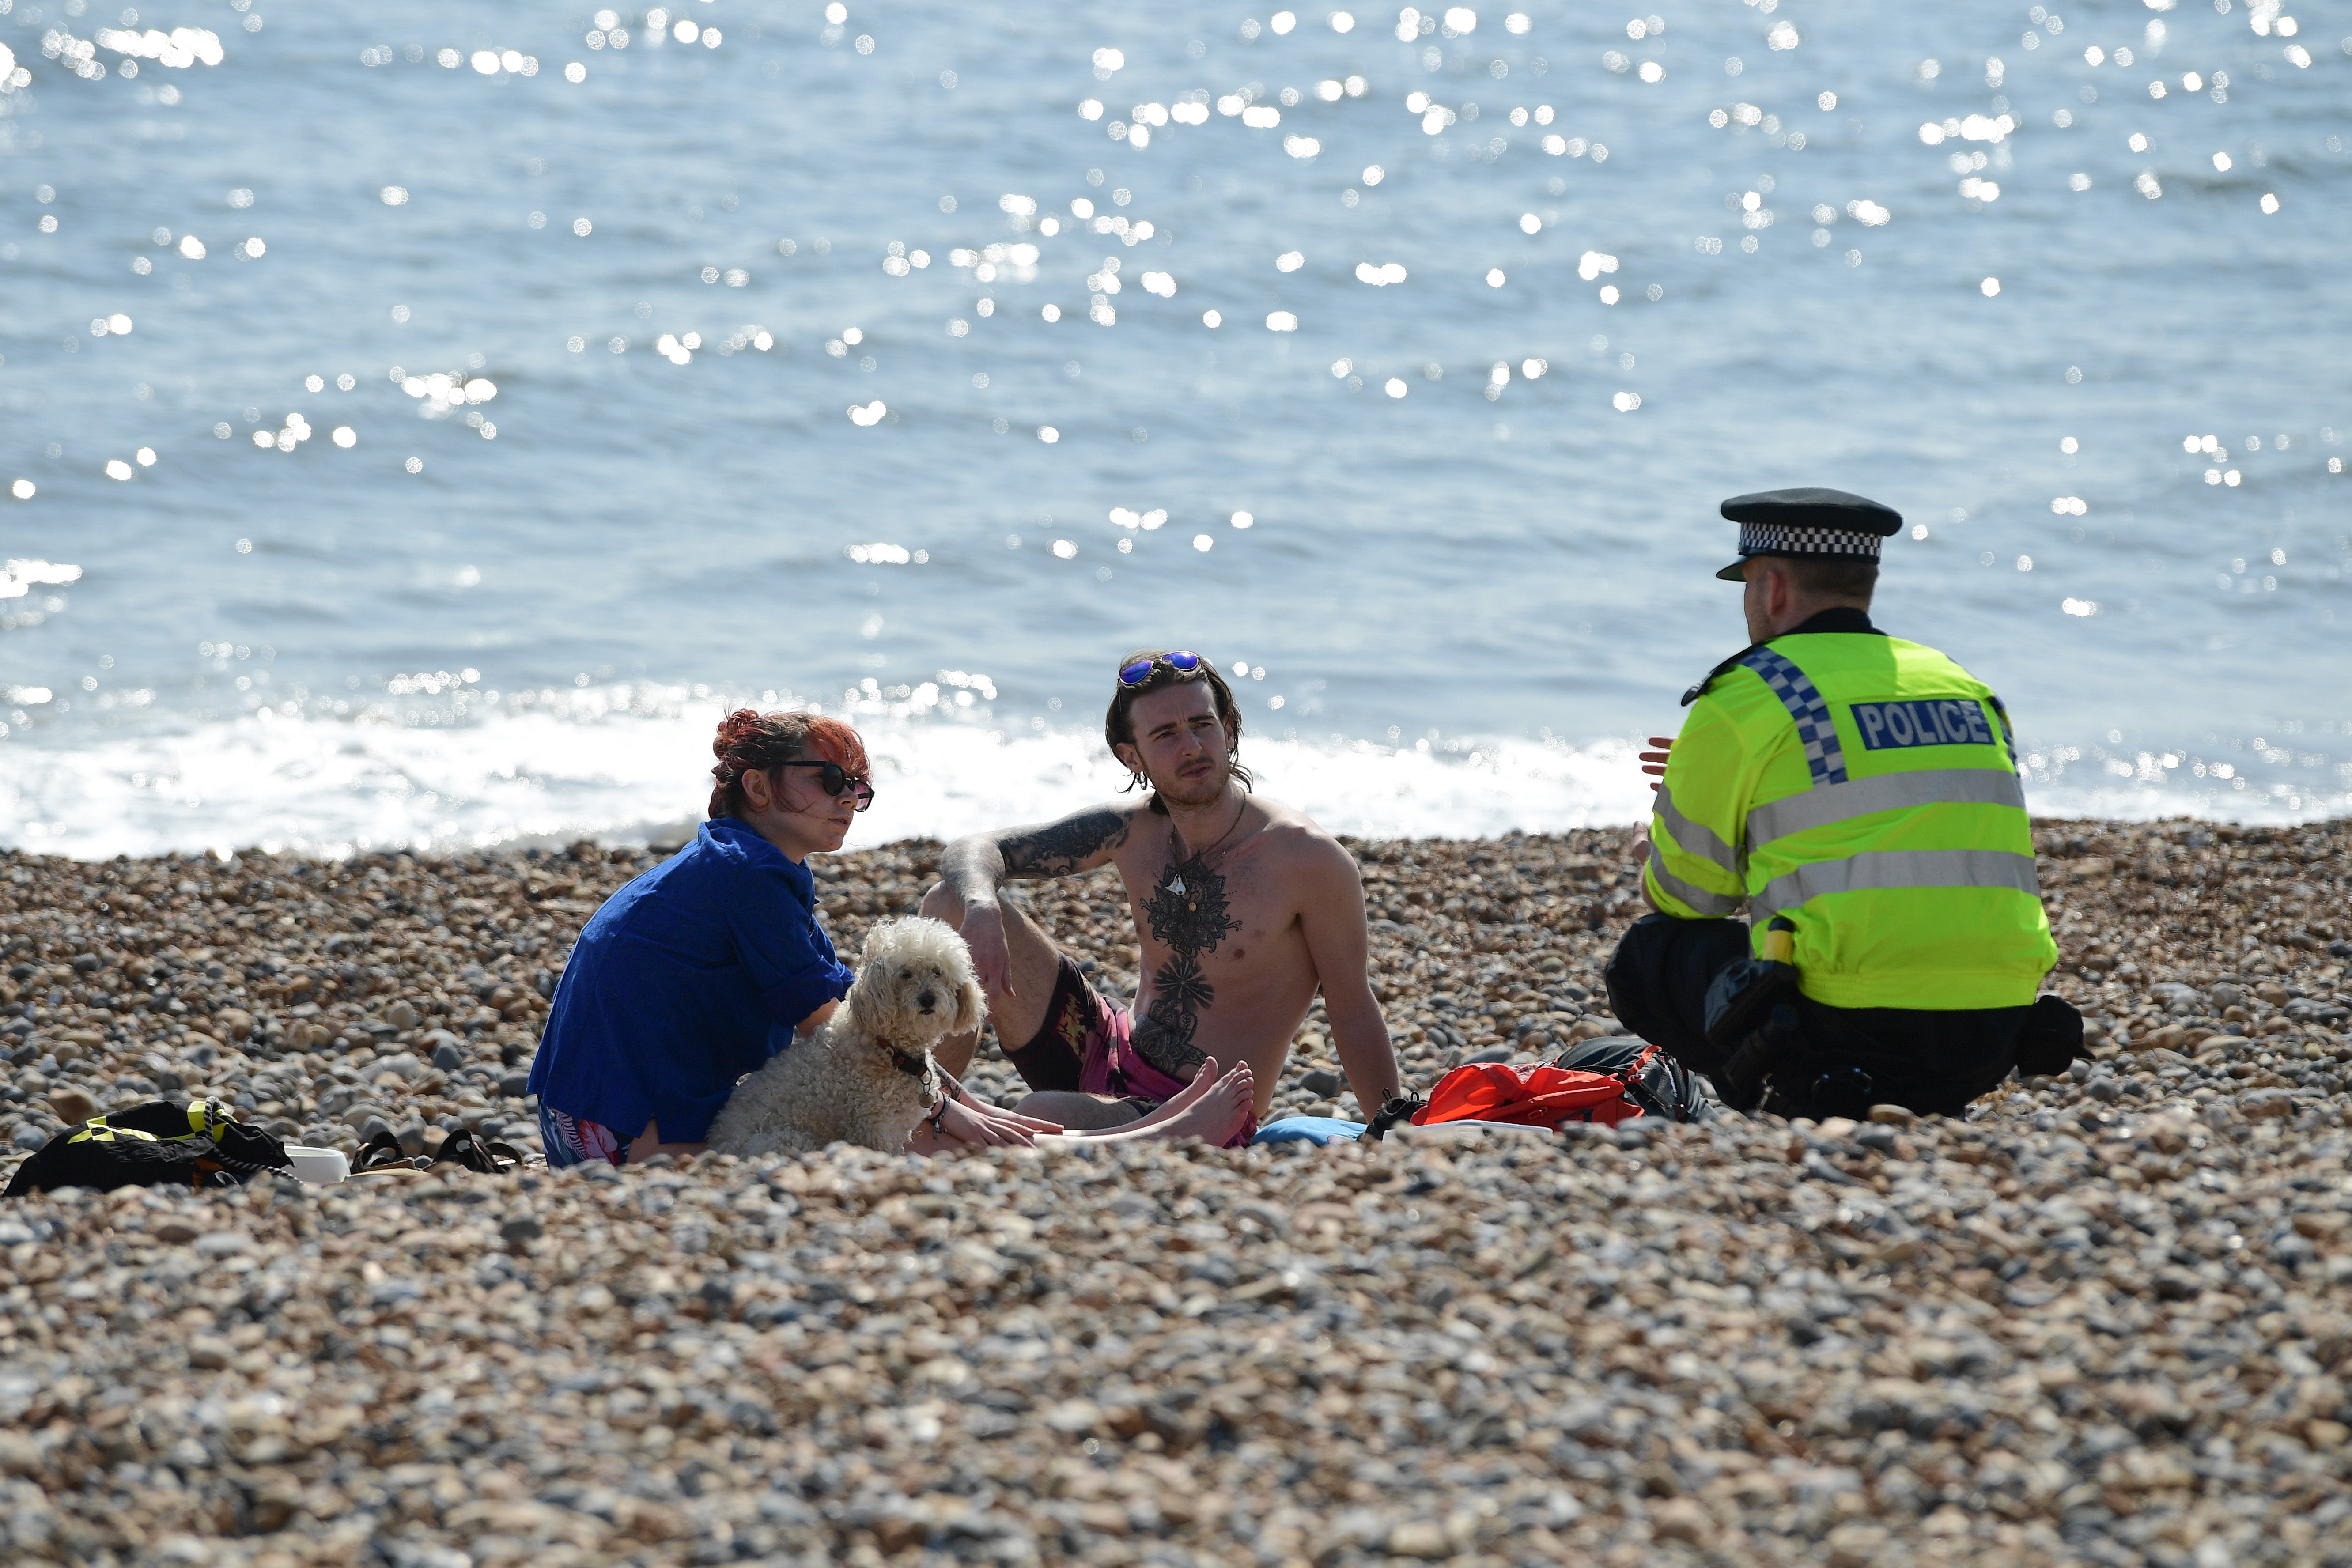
<point>1857,796</point>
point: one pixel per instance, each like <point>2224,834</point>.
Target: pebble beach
<point>2107,1317</point>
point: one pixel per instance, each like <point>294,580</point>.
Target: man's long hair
<point>1118,721</point>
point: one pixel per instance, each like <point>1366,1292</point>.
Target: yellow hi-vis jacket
<point>1865,788</point>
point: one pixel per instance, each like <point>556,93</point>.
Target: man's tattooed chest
<point>1188,912</point>
<point>1189,915</point>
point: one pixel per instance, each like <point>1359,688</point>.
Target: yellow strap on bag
<point>207,1117</point>
<point>95,1131</point>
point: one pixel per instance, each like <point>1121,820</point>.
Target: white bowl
<point>319,1167</point>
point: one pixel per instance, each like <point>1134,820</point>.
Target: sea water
<point>424,420</point>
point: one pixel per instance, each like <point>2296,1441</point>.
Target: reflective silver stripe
<point>1888,868</point>
<point>1825,804</point>
<point>1690,893</point>
<point>1696,838</point>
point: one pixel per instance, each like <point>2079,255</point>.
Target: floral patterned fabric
<point>574,1141</point>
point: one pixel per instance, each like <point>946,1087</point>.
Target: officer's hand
<point>1654,763</point>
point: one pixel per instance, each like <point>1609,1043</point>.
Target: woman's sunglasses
<point>836,782</point>
<point>1182,661</point>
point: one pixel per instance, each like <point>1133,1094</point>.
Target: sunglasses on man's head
<point>1182,661</point>
<point>836,781</point>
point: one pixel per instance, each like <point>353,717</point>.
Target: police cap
<point>1807,524</point>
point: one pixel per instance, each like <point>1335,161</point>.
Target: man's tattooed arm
<point>1078,842</point>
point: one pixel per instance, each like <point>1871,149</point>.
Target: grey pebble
<point>2077,1320</point>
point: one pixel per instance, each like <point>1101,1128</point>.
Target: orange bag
<point>1538,1095</point>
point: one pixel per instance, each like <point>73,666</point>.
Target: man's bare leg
<point>1213,1116</point>
<point>1018,1014</point>
<point>1096,1112</point>
<point>1078,1113</point>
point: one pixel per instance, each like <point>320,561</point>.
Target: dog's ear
<point>971,1005</point>
<point>873,1006</point>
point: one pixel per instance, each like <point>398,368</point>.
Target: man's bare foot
<point>1214,1116</point>
<point>1204,1080</point>
<point>1182,1102</point>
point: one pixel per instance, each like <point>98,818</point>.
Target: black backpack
<point>158,1144</point>
<point>1666,1089</point>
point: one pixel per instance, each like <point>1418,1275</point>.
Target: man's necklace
<point>1175,883</point>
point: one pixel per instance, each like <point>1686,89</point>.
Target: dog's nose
<point>926,1001</point>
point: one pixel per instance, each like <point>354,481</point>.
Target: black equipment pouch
<point>1740,999</point>
<point>1741,1079</point>
<point>1846,1091</point>
<point>1751,1018</point>
<point>2052,1038</point>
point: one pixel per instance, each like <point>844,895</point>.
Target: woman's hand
<point>986,1127</point>
<point>814,1021</point>
<point>998,1113</point>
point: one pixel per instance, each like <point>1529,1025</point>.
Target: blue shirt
<point>687,978</point>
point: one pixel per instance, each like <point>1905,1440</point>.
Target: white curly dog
<point>867,1076</point>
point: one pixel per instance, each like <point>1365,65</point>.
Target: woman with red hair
<point>700,970</point>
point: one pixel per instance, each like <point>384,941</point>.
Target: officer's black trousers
<point>1847,1059</point>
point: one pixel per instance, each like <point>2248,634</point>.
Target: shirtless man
<point>1243,908</point>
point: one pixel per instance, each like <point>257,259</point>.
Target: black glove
<point>2052,1040</point>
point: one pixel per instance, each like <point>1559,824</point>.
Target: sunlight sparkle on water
<point>1202,149</point>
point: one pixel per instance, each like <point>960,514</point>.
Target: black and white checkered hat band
<point>1773,539</point>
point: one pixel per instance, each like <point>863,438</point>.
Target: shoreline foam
<point>623,764</point>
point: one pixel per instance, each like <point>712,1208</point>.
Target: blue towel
<point>1315,1129</point>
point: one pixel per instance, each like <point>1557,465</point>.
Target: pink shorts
<point>1086,1045</point>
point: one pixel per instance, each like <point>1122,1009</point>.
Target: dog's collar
<point>915,1065</point>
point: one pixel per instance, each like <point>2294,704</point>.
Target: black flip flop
<point>382,1152</point>
<point>465,1147</point>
